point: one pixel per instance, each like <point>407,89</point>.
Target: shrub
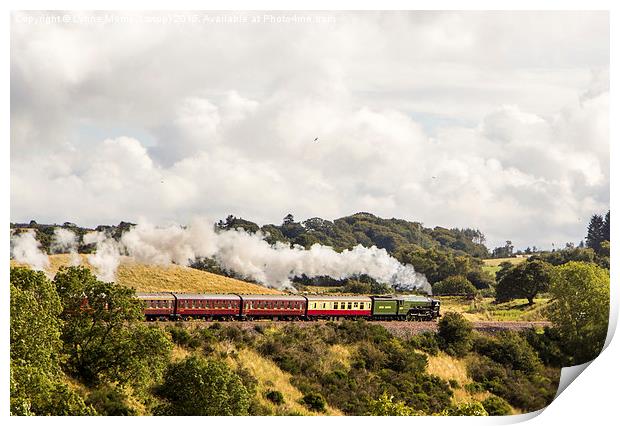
<point>426,342</point>
<point>182,337</point>
<point>384,406</point>
<point>110,401</point>
<point>275,396</point>
<point>466,409</point>
<point>496,406</point>
<point>509,349</point>
<point>455,334</point>
<point>314,402</point>
<point>455,285</point>
<point>200,387</point>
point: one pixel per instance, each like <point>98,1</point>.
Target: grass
<point>153,278</point>
<point>486,310</point>
<point>271,377</point>
<point>492,265</point>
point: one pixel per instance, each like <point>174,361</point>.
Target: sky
<point>490,120</point>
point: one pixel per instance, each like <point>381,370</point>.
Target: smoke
<point>107,256</point>
<point>248,255</point>
<point>26,249</point>
<point>65,241</point>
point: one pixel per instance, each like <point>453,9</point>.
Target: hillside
<point>167,278</point>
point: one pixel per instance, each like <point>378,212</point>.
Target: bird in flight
<point>316,139</point>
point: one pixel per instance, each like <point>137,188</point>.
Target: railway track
<point>398,328</point>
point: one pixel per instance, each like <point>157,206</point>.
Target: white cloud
<point>453,119</point>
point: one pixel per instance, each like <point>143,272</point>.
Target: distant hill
<point>167,278</point>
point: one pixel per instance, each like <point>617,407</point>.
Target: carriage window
<point>349,305</point>
<point>355,304</point>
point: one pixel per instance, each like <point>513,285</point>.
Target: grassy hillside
<point>492,265</point>
<point>167,278</point>
<point>487,310</point>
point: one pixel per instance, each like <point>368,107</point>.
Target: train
<point>249,307</point>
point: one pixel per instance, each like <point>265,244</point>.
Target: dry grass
<point>152,278</point>
<point>486,310</point>
<point>271,377</point>
<point>497,262</point>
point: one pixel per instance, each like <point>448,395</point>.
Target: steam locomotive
<point>184,306</point>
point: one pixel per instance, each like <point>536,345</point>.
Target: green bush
<point>496,406</point>
<point>509,349</point>
<point>110,401</point>
<point>455,334</point>
<point>200,387</point>
<point>426,342</point>
<point>314,402</point>
<point>275,396</point>
<point>466,409</point>
<point>182,337</point>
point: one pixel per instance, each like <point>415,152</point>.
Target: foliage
<point>598,231</point>
<point>509,349</point>
<point>525,280</point>
<point>527,391</point>
<point>200,387</point>
<point>455,334</point>
<point>560,257</point>
<point>426,342</point>
<point>110,400</point>
<point>385,406</point>
<point>466,409</point>
<point>455,285</point>
<point>496,406</point>
<point>103,334</point>
<point>275,396</point>
<point>580,312</point>
<point>314,402</point>
<point>37,386</point>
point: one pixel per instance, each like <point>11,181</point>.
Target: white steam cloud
<point>248,255</point>
<point>26,249</point>
<point>65,241</point>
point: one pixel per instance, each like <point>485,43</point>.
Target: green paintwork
<point>398,305</point>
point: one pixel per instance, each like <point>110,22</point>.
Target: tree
<point>36,381</point>
<point>525,280</point>
<point>596,232</point>
<point>455,285</point>
<point>505,251</point>
<point>455,334</point>
<point>103,332</point>
<point>200,387</point>
<point>580,311</point>
<point>606,228</point>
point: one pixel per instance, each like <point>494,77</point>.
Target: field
<point>492,265</point>
<point>167,278</point>
<point>486,310</point>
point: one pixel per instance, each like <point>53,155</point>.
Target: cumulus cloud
<point>452,119</point>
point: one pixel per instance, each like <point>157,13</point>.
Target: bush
<point>496,406</point>
<point>275,396</point>
<point>426,342</point>
<point>110,401</point>
<point>182,337</point>
<point>509,349</point>
<point>200,387</point>
<point>314,402</point>
<point>455,334</point>
<point>455,285</point>
<point>466,409</point>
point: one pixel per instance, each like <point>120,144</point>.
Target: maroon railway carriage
<point>339,306</point>
<point>157,305</point>
<point>207,305</point>
<point>275,306</point>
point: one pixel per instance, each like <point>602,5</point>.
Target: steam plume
<point>26,249</point>
<point>65,241</point>
<point>248,255</point>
